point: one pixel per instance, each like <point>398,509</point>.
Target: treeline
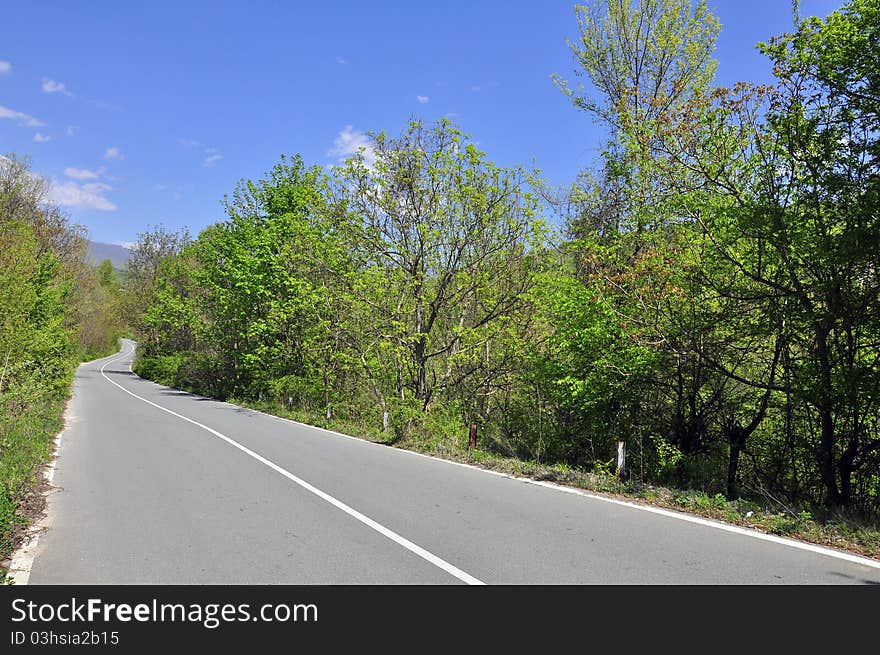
<point>712,300</point>
<point>55,311</point>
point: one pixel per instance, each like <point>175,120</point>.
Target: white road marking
<point>366,520</point>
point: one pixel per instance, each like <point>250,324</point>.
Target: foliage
<point>733,234</point>
<point>395,293</point>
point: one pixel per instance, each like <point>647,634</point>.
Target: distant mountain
<point>118,255</point>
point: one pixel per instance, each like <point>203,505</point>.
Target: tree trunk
<point>733,467</point>
<point>846,467</point>
<point>826,459</point>
<point>825,405</point>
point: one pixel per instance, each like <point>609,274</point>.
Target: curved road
<point>158,486</point>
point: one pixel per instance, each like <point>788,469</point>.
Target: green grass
<point>25,443</point>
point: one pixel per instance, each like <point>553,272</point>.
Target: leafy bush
<point>164,369</point>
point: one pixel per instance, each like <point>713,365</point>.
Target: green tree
<point>791,217</point>
<point>253,297</point>
<point>107,276</point>
<point>153,246</point>
<point>445,244</point>
<point>632,247</point>
<point>642,57</point>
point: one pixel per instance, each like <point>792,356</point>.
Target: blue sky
<point>148,113</point>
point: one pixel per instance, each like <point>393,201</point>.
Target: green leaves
<point>441,234</point>
<point>254,290</point>
<point>643,57</point>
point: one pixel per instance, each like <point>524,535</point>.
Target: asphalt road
<point>204,492</point>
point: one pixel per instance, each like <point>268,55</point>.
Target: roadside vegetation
<point>712,298</point>
<point>55,311</point>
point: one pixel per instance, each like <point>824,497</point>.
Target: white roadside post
<point>621,458</point>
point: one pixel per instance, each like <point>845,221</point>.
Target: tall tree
<point>792,218</point>
<point>633,248</point>
<point>642,56</point>
<point>142,272</point>
<point>445,243</point>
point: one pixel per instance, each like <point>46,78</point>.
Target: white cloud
<point>39,137</point>
<point>86,196</point>
<point>51,86</point>
<point>96,187</point>
<point>112,153</point>
<point>19,117</point>
<point>125,244</point>
<point>71,130</point>
<point>342,61</point>
<point>83,173</point>
<point>211,155</point>
<point>423,99</point>
<point>349,142</point>
<point>72,194</point>
<point>5,67</point>
<point>210,160</point>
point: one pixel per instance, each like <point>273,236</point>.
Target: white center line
<point>366,520</point>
